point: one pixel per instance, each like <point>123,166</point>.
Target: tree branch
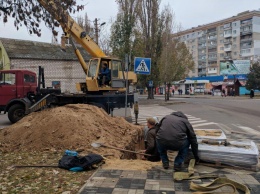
<point>5,9</point>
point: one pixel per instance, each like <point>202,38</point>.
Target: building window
<point>245,51</point>
<point>222,54</point>
<point>234,39</point>
<point>234,24</point>
<point>234,31</point>
<point>221,27</point>
<point>227,32</point>
<point>221,41</point>
<point>234,46</point>
<point>227,25</point>
<point>222,48</point>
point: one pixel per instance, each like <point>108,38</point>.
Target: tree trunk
<point>168,92</point>
<point>165,94</point>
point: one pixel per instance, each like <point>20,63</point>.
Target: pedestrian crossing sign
<point>142,65</point>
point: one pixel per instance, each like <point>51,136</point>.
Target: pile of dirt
<point>72,127</point>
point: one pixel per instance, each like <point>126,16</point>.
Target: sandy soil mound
<point>72,127</point>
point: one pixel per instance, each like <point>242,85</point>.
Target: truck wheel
<point>16,112</point>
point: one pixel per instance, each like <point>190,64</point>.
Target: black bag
<point>85,162</point>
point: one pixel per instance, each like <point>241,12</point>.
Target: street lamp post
<point>97,29</point>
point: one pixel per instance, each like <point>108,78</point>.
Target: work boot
<point>166,165</point>
<point>178,167</point>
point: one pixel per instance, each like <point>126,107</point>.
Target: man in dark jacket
<point>176,134</point>
<point>104,74</point>
<point>151,147</point>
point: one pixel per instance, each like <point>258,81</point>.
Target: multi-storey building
<point>234,38</point>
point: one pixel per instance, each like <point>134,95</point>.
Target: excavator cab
<point>96,83</point>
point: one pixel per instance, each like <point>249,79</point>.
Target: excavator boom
<point>71,28</point>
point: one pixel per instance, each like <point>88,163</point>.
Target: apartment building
<point>233,39</point>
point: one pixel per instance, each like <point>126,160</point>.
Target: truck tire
<point>16,112</point>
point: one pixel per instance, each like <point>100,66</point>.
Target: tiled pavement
<point>160,181</point>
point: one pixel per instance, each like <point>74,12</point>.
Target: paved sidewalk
<point>160,181</point>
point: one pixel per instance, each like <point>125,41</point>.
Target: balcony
<point>210,46</point>
<point>227,57</point>
<point>212,70</point>
<point>201,46</point>
<point>246,52</point>
<point>201,66</point>
<point>202,73</point>
<point>227,41</point>
<point>213,50</point>
<point>246,39</point>
<point>246,32</point>
<point>202,59</point>
<point>227,26</point>
<point>202,40</point>
<point>212,65</point>
<point>227,35</point>
<point>246,46</point>
<point>212,37</point>
<point>227,49</point>
<point>246,23</point>
<point>212,59</point>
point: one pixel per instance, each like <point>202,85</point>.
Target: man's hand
<point>143,158</point>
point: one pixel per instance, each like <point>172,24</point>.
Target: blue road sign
<point>142,65</point>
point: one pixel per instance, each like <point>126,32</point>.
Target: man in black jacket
<point>151,146</point>
<point>176,134</point>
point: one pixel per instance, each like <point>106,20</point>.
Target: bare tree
<point>30,13</point>
<point>175,61</point>
<point>148,16</point>
<point>122,29</point>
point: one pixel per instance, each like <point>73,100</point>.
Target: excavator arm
<point>72,29</point>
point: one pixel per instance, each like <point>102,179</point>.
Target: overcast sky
<point>190,13</point>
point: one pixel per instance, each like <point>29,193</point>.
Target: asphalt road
<point>231,113</point>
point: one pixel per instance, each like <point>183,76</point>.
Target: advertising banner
<point>235,67</point>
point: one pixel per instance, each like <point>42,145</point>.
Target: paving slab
<point>160,181</point>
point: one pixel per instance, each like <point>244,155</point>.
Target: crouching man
<point>176,133</point>
<point>151,145</point>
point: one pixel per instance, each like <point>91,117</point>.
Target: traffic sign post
<point>142,65</point>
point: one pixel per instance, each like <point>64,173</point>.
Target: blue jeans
<point>182,152</point>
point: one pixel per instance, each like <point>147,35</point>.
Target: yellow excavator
<point>117,76</point>
<point>112,94</point>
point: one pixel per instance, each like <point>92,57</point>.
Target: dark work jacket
<point>174,130</point>
<point>106,72</point>
<point>151,145</point>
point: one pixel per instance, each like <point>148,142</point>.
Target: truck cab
<point>16,84</point>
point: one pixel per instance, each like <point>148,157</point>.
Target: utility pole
<point>96,29</point>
